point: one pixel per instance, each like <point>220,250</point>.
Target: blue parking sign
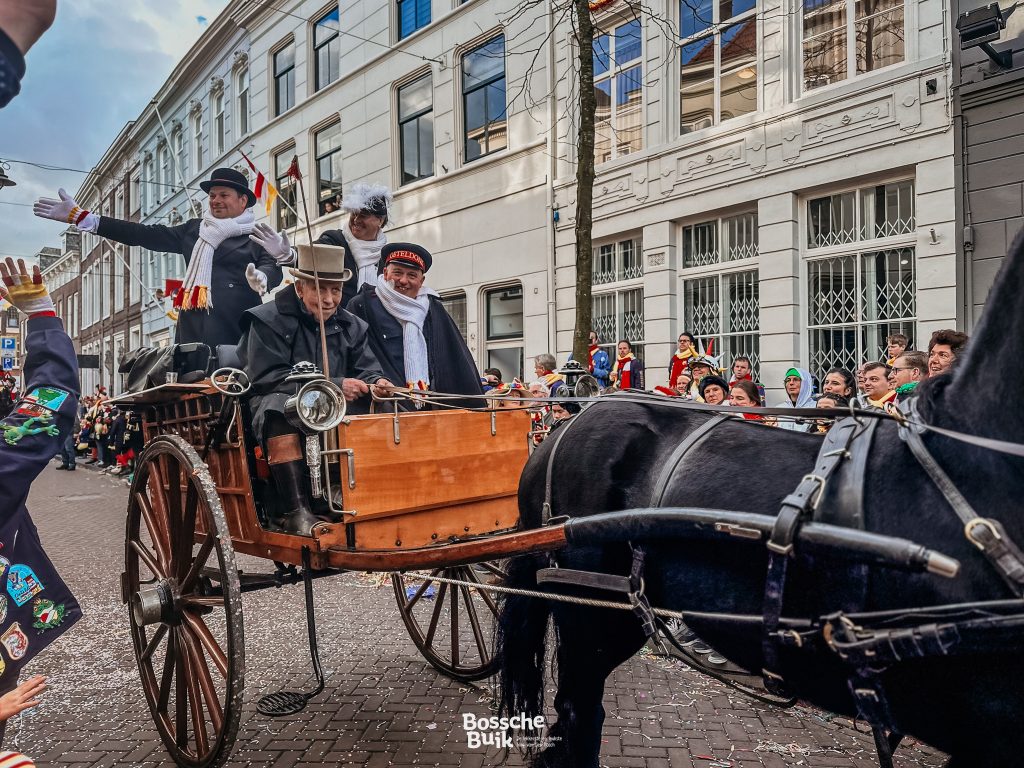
<point>8,363</point>
<point>7,343</point>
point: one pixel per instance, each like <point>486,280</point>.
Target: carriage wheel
<point>452,625</point>
<point>185,605</point>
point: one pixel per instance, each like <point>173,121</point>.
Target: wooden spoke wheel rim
<point>185,606</point>
<point>452,625</point>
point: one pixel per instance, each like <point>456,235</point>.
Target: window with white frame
<point>219,126</point>
<point>618,299</point>
<point>286,189</point>
<point>328,168</point>
<point>327,48</point>
<point>483,99</point>
<point>416,129</point>
<point>242,101</point>
<point>861,273</point>
<point>134,288</point>
<point>166,180</point>
<point>412,15</point>
<point>503,309</point>
<point>843,38</point>
<point>146,188</point>
<point>284,79</point>
<point>721,305</point>
<point>619,91</point>
<point>718,61</point>
<point>197,141</point>
<point>178,150</point>
<point>455,305</point>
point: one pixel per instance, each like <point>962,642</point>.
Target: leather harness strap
<point>545,510</point>
<point>670,467</point>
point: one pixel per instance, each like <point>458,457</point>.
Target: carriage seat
<point>227,356</point>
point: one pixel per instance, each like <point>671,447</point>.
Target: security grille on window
<point>416,129</point>
<point>718,61</point>
<point>725,308</point>
<point>867,291</point>
<point>284,79</point>
<point>620,315</point>
<point>841,37</point>
<point>618,88</point>
<point>412,15</point>
<point>327,48</point>
<point>504,309</point>
<point>720,240</point>
<point>617,261</point>
<point>455,306</point>
<point>483,99</point>
<point>328,169</point>
<point>286,190</point>
<point>242,98</point>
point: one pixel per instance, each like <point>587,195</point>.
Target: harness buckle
<point>971,525</point>
<point>815,498</point>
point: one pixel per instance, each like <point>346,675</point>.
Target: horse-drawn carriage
<point>402,490</point>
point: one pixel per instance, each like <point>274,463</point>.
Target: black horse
<point>969,706</point>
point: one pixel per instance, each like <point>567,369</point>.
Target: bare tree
<point>584,182</point>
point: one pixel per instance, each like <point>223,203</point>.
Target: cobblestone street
<point>384,705</point>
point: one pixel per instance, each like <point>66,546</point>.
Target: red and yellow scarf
<point>622,371</point>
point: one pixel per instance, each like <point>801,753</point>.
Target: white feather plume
<point>360,195</point>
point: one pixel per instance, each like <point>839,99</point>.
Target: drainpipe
<point>552,145</point>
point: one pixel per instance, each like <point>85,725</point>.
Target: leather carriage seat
<point>227,356</point>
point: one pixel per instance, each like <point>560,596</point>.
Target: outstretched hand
<point>25,696</point>
<point>65,209</point>
<point>274,243</point>
<point>24,290</point>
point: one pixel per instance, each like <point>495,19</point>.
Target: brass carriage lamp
<point>578,380</point>
<point>319,406</point>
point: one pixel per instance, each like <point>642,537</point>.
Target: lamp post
<point>5,180</point>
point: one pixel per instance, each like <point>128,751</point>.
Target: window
<point>197,140</point>
<point>166,180</point>
<point>242,100</point>
<point>148,196</point>
<point>841,37</point>
<point>483,99</point>
<point>718,61</point>
<point>618,306</point>
<point>178,150</point>
<point>412,14</point>
<point>504,309</point>
<point>286,190</point>
<point>723,311</point>
<point>416,129</point>
<point>860,273</point>
<point>328,169</point>
<point>218,124</point>
<point>135,259</point>
<point>284,79</point>
<point>455,305</point>
<point>326,49</point>
<point>618,87</point>
<point>720,240</point>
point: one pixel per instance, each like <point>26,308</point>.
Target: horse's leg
<point>591,644</point>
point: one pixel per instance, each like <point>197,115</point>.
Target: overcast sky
<point>97,67</point>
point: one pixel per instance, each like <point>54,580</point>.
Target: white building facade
<point>776,177</point>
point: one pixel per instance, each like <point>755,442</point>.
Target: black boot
<point>293,493</point>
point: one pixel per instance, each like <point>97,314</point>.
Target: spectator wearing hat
<point>280,333</point>
<point>799,394</point>
<point>714,390</point>
<point>410,332</point>
<point>701,366</point>
<point>228,267</point>
<point>361,234</point>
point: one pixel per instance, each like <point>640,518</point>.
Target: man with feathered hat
<point>415,339</point>
<point>280,333</point>
<point>230,261</point>
<point>361,235</point>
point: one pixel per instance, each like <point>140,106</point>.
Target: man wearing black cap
<point>413,337</point>
<point>228,268</point>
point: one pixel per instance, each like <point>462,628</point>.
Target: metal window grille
<point>888,210</point>
<point>620,315</point>
<point>622,260</point>
<point>630,260</point>
<point>725,308</point>
<point>831,220</point>
<point>700,244</point>
<point>739,236</point>
<point>603,269</point>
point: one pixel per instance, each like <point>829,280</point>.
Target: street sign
<point>88,361</point>
<point>7,343</point>
<point>8,364</point>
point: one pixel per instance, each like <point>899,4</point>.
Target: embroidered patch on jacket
<point>34,426</point>
<point>46,614</point>
<point>49,398</point>
<point>3,613</point>
<point>23,584</point>
<point>15,641</point>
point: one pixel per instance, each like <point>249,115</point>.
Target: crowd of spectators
<point>695,375</point>
<point>108,436</point>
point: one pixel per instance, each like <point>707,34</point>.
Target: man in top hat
<point>361,234</point>
<point>280,333</point>
<point>228,266</point>
<point>415,339</point>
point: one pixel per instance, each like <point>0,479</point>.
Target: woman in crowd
<point>744,394</point>
<point>714,390</point>
<point>828,400</point>
<point>840,381</point>
<point>799,394</point>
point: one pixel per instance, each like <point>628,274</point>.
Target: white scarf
<point>366,253</point>
<point>411,313</point>
<point>195,291</point>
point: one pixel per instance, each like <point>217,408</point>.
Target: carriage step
<point>282,703</point>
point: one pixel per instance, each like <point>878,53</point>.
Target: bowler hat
<point>329,261</point>
<point>229,177</point>
<point>406,254</point>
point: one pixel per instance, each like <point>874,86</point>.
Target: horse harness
<point>866,642</point>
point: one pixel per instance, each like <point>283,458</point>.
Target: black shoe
<point>62,466</point>
<point>293,491</point>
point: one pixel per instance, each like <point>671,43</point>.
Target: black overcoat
<point>280,333</point>
<point>451,366</point>
<point>230,293</point>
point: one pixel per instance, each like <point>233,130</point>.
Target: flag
<point>263,184</point>
<point>171,288</point>
<point>293,169</point>
<point>271,196</point>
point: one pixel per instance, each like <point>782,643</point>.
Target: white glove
<point>24,290</point>
<point>65,210</point>
<point>274,243</point>
<point>257,280</point>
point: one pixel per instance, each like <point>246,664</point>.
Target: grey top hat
<point>329,261</point>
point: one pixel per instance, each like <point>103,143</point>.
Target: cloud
<point>92,73</point>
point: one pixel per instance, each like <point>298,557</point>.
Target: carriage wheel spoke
<point>147,558</point>
<point>189,580</point>
<point>195,601</point>
<point>168,673</point>
<point>209,642</point>
<point>474,622</point>
<point>154,642</point>
<point>421,591</point>
<point>438,606</point>
<point>180,694</point>
<point>156,532</point>
<point>483,593</point>
<point>201,671</point>
<point>192,673</point>
<point>455,624</point>
<point>187,535</point>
